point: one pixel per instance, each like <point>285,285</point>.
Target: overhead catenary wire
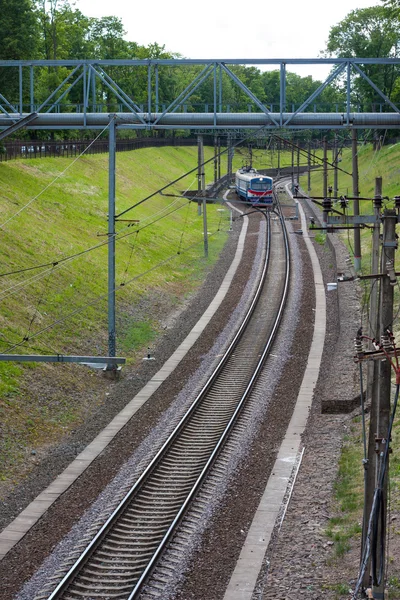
<point>374,157</point>
<point>186,218</point>
<point>306,153</point>
<point>366,302</point>
<point>54,264</point>
<point>118,236</point>
<point>183,228</point>
<point>34,348</point>
<point>195,169</point>
<point>53,181</point>
<point>159,191</point>
<point>129,259</point>
<point>103,296</point>
<point>124,282</point>
<point>39,302</point>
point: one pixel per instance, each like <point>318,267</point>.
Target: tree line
<point>57,30</point>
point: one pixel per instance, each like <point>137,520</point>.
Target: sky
<point>214,29</point>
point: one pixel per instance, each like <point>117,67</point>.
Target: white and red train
<point>253,187</point>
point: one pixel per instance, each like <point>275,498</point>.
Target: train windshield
<point>261,185</point>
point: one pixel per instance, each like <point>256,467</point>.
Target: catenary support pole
<point>309,168</point>
<point>335,167</point>
<point>279,158</point>
<point>356,212</point>
<point>219,156</point>
<point>215,159</point>
<point>298,166</point>
<point>111,243</point>
<point>230,158</point>
<point>205,226</point>
<point>325,166</point>
<point>200,169</point>
<point>292,190</point>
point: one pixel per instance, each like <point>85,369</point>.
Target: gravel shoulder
<point>302,560</point>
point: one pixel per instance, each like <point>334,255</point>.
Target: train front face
<point>259,192</point>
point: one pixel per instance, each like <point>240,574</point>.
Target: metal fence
<point>28,149</point>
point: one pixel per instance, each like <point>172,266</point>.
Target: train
<point>253,187</point>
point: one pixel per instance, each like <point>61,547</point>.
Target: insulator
<point>358,345</point>
<point>378,201</point>
<point>391,272</point>
<point>397,201</point>
<point>386,343</point>
<point>327,204</point>
<point>343,202</point>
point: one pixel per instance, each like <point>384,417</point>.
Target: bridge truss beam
<point>89,91</point>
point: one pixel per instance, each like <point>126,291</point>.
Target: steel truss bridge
<point>94,91</point>
<point>96,95</point>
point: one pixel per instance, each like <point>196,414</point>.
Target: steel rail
<point>94,545</point>
<point>228,428</point>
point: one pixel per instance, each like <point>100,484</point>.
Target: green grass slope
<point>53,209</point>
<point>54,213</point>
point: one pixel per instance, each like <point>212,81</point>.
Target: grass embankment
<point>345,529</point>
<point>62,308</point>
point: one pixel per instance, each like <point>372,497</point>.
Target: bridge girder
<point>89,82</point>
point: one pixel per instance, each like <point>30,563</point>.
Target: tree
<point>393,6</point>
<point>18,41</point>
<point>107,36</point>
<point>369,33</point>
<point>18,30</point>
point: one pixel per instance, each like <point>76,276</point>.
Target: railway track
<point>123,554</point>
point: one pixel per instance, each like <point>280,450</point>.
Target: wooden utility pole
<point>377,465</point>
<point>376,459</point>
<point>374,331</point>
<point>373,373</point>
<point>356,210</point>
<point>385,371</point>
